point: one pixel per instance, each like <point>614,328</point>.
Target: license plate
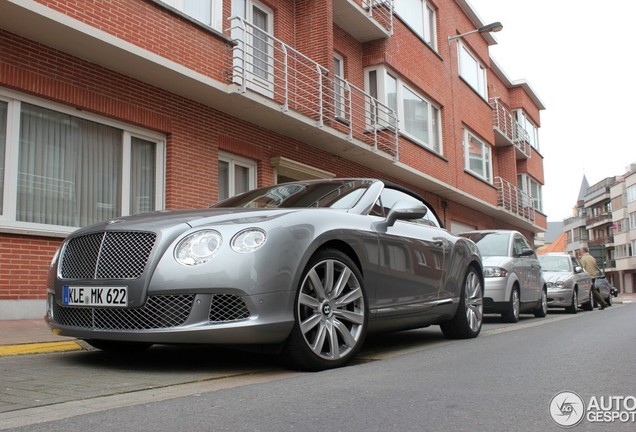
<point>95,296</point>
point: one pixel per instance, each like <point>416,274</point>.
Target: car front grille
<point>107,255</point>
<point>159,312</point>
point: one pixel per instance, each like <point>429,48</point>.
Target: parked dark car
<point>606,290</point>
<point>306,268</point>
<point>512,274</point>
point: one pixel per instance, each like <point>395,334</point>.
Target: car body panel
<point>413,272</point>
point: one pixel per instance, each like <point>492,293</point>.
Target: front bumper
<point>559,297</point>
<point>183,318</point>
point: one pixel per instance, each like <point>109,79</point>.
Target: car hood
<point>495,261</point>
<point>555,276</point>
<point>161,220</point>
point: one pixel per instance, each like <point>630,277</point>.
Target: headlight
<point>558,284</point>
<point>248,240</point>
<point>495,272</point>
<point>198,248</point>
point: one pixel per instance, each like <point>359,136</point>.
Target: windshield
<point>491,243</point>
<point>340,194</point>
<point>555,263</point>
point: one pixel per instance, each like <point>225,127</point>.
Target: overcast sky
<point>577,55</point>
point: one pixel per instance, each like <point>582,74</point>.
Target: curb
<point>39,348</point>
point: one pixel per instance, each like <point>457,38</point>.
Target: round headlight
<point>248,240</point>
<point>198,248</point>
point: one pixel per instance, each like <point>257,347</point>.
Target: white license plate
<point>95,296</point>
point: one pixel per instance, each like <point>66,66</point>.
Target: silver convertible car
<point>303,269</point>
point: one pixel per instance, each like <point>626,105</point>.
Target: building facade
<point>120,107</point>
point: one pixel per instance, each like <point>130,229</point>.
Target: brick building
<point>109,108</point>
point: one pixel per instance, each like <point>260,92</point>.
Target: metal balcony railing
<point>266,65</point>
<point>513,200</point>
<point>508,126</point>
<point>381,11</point>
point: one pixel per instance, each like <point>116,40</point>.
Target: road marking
<point>38,348</point>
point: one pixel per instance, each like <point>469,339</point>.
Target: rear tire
<point>469,316</point>
<point>542,310</point>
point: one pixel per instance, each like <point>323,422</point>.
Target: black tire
<point>330,321</point>
<point>574,306</point>
<point>118,347</point>
<point>589,305</point>
<point>467,321</point>
<point>511,314</point>
<point>542,308</point>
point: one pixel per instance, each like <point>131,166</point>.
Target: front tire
<point>511,315</point>
<point>330,313</point>
<point>574,306</point>
<point>469,316</point>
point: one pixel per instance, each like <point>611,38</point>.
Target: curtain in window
<point>3,140</point>
<point>412,11</point>
<point>224,180</point>
<point>241,179</point>
<point>415,116</point>
<point>142,175</point>
<point>69,169</point>
<point>261,43</point>
<point>201,10</point>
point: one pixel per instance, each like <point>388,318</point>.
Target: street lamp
<point>489,28</point>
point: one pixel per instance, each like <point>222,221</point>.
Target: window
<point>528,125</point>
<point>533,188</point>
<point>236,175</point>
<point>68,171</point>
<point>632,221</point>
<point>208,12</point>
<point>477,157</point>
<point>472,71</point>
<point>631,193</point>
<point>339,86</point>
<point>257,57</point>
<point>419,119</point>
<point>420,17</point>
<point>632,252</point>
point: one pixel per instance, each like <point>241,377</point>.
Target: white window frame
<point>425,26</point>
<point>215,20</point>
<point>9,212</point>
<point>339,89</point>
<point>526,184</point>
<point>631,193</point>
<point>255,82</point>
<point>382,74</point>
<point>234,160</point>
<point>485,157</point>
<point>528,125</point>
<point>472,71</point>
<point>632,221</point>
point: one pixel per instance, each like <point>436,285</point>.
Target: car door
<point>529,269</point>
<point>411,260</point>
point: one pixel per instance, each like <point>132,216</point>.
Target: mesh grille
<point>107,255</point>
<point>158,312</point>
<point>227,307</point>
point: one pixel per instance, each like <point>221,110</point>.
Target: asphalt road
<point>504,380</point>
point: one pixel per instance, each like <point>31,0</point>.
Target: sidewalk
<point>34,336</point>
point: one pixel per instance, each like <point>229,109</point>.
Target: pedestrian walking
<point>589,265</point>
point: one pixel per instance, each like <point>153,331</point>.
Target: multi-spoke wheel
<point>542,310</point>
<point>470,311</point>
<point>331,313</point>
<point>574,306</point>
<point>511,314</point>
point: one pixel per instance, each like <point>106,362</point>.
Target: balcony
<point>365,20</point>
<point>599,219</point>
<point>513,200</point>
<point>263,65</point>
<point>508,131</point>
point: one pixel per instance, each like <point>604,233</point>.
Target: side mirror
<point>526,252</point>
<point>405,210</point>
<point>578,269</point>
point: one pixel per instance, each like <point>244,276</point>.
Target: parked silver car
<point>512,274</point>
<point>304,268</point>
<point>569,286</point>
